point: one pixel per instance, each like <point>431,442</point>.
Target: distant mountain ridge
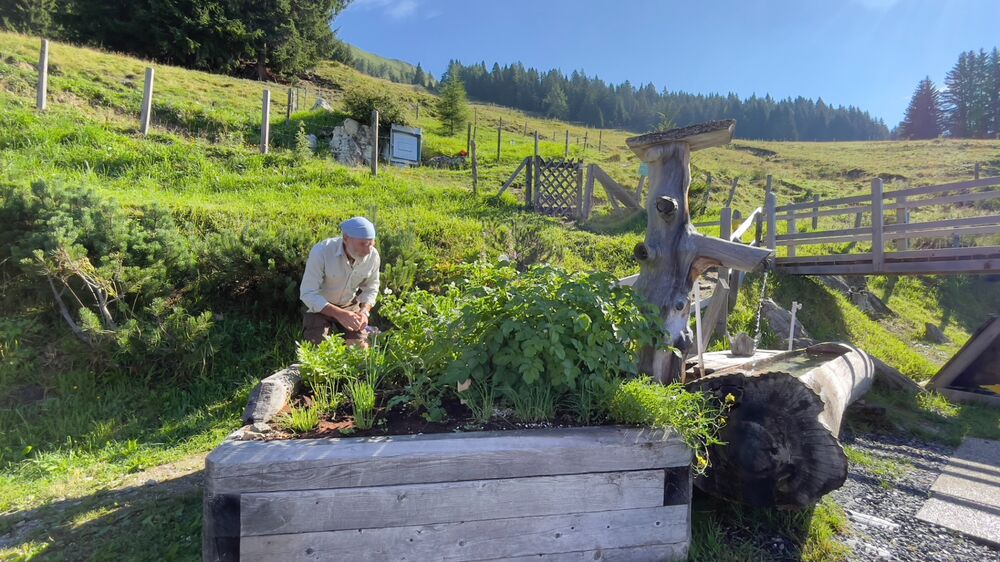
<point>394,70</point>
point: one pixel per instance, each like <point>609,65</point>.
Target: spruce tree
<point>418,76</point>
<point>924,118</point>
<point>555,102</point>
<point>452,106</point>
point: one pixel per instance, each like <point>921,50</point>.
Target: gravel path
<point>900,535</point>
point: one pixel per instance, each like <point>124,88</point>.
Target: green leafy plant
<point>362,395</point>
<point>360,102</point>
<point>543,334</point>
<point>692,415</point>
<point>298,420</point>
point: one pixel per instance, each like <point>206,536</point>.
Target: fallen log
<point>783,423</point>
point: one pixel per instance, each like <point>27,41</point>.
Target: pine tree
<point>924,118</point>
<point>555,102</point>
<point>418,76</point>
<point>452,106</point>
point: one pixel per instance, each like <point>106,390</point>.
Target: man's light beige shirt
<point>331,278</point>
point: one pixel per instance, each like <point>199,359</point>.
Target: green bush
<point>359,104</point>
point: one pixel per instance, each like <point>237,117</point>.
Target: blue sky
<point>867,53</point>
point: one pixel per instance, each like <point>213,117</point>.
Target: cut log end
<point>777,452</point>
<point>697,137</point>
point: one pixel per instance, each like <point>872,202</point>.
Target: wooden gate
<point>558,188</point>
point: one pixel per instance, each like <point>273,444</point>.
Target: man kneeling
<point>340,284</point>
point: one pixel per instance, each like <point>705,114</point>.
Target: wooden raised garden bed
<point>589,493</point>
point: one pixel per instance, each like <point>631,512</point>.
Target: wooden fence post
<point>468,138</point>
<point>475,170</point>
<point>600,139</point>
<point>902,217</point>
<point>499,133</point>
<point>374,129</point>
<point>418,110</point>
<point>579,192</point>
<point>815,219</point>
<point>288,108</point>
<point>878,258</point>
<point>147,103</point>
<point>529,193</point>
<point>792,229</point>
<point>977,171</point>
<point>588,194</point>
<point>585,135</point>
<point>725,223</point>
<point>770,205</point>
<point>566,155</point>
<point>265,122</point>
<point>43,75</point>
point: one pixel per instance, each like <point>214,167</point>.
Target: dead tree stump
<point>674,254</point>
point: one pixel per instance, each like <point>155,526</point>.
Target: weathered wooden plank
<point>481,540</point>
<point>716,311</point>
<point>648,553</point>
<point>829,258</point>
<point>916,227</point>
<point>928,189</point>
<point>252,466</point>
<point>614,189</point>
<point>814,214</point>
<point>743,228</point>
<point>906,203</point>
<point>273,513</point>
<point>513,176</point>
<point>947,232</point>
<point>878,225</point>
<point>866,198</point>
<point>981,251</point>
<point>840,233</point>
<point>969,266</point>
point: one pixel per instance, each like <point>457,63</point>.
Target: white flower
<point>387,291</point>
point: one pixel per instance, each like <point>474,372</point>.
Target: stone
<point>351,126</point>
<point>934,334</point>
<point>780,320</point>
<point>322,104</point>
<point>344,148</point>
<point>742,345</point>
<point>271,395</point>
<point>313,142</point>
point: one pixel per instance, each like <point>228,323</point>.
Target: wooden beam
<point>614,189</point>
<point>259,466</point>
<point>483,540</point>
<point>513,176</point>
<point>772,223</point>
<point>716,313</point>
<point>588,194</point>
<point>304,511</point>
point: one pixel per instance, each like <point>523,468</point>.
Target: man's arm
<point>312,278</point>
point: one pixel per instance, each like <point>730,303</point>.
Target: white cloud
<point>395,9</point>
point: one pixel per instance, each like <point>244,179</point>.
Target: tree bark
<point>781,433</point>
<point>674,254</point>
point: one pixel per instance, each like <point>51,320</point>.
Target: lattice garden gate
<point>558,187</point>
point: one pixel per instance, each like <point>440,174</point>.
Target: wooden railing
<point>882,217</point>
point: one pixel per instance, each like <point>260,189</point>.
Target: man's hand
<point>350,320</point>
<point>364,319</point>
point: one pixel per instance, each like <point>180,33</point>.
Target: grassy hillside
<point>71,427</point>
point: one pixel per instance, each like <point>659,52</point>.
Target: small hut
<point>973,374</point>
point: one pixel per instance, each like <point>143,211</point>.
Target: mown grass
<point>67,436</point>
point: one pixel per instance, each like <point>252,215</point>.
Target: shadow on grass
<point>142,522</point>
<point>723,531</point>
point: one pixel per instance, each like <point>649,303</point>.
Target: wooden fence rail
<point>888,215</point>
